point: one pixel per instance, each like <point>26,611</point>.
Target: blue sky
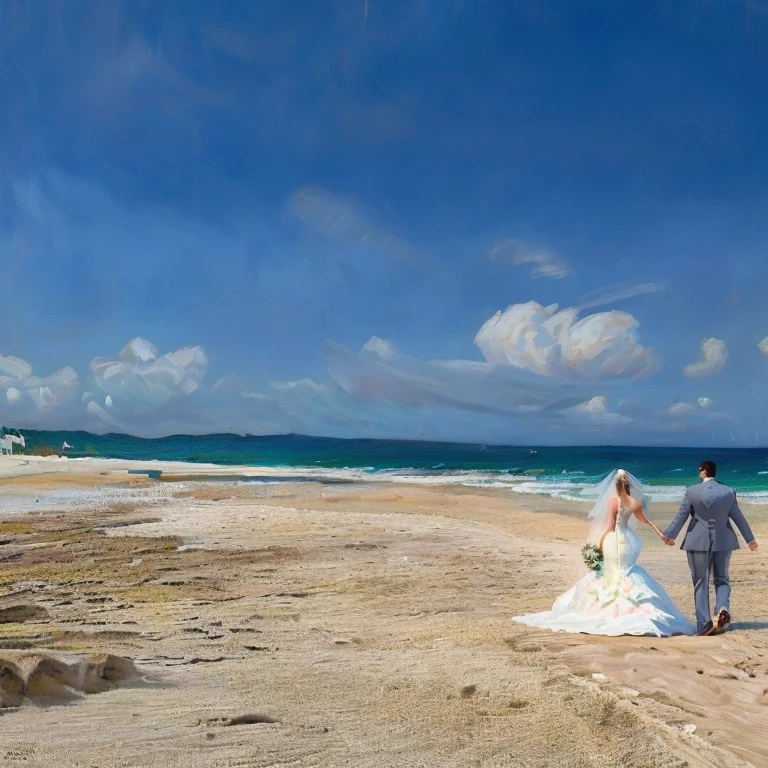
<point>270,182</point>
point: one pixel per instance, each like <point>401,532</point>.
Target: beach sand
<point>355,624</point>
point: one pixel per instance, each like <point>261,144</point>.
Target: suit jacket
<point>711,506</point>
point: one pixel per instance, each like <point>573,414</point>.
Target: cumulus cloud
<point>144,393</point>
<point>14,367</point>
<point>542,263</point>
<point>555,344</point>
<point>595,412</point>
<point>376,391</point>
<point>140,381</point>
<point>36,400</point>
<point>763,346</point>
<point>712,356</point>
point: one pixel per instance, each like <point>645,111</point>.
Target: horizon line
<point>398,440</point>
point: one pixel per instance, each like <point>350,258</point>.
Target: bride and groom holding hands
<point>620,597</point>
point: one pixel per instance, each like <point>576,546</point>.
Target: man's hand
<point>752,545</point>
<point>669,542</point>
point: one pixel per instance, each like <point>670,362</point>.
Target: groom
<point>709,542</point>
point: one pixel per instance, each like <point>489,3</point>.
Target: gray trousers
<point>701,565</point>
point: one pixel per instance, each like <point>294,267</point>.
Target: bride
<point>621,599</point>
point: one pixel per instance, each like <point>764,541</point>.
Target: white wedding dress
<point>623,600</point>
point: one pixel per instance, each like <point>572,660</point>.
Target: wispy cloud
<point>542,263</point>
<point>681,407</point>
<point>712,356</point>
<point>613,294</point>
<point>329,217</point>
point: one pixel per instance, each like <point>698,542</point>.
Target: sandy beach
<point>224,623</point>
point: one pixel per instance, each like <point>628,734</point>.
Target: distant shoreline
<point>283,436</point>
<point>571,487</point>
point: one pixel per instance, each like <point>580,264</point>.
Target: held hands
<point>669,542</point>
<point>752,545</point>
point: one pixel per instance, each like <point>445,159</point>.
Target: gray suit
<point>709,541</point>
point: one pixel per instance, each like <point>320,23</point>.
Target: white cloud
<point>14,367</point>
<point>595,412</point>
<point>613,294</point>
<point>763,346</point>
<point>147,394</point>
<point>712,356</point>
<point>35,399</point>
<point>141,381</point>
<point>555,344</point>
<point>679,408</point>
<point>542,262</point>
<point>376,391</point>
<point>697,409</point>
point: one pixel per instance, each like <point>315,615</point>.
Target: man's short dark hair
<point>709,468</point>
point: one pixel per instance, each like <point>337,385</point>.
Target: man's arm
<point>674,528</point>
<point>737,516</point>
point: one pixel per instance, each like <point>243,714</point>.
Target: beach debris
<point>248,719</point>
<point>467,691</point>
<point>690,729</point>
<point>199,660</point>
<point>254,719</point>
<point>599,676</point>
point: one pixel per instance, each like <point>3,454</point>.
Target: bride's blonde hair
<point>622,483</point>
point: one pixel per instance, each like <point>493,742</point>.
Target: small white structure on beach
<point>7,440</point>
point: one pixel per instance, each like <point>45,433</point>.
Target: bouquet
<point>593,557</point>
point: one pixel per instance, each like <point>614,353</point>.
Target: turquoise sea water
<point>559,471</point>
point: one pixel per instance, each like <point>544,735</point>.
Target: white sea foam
<point>568,485</point>
<point>574,486</point>
<point>571,485</point>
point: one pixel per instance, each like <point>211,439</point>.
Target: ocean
<point>558,471</point>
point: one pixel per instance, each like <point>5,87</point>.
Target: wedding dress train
<point>624,599</point>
